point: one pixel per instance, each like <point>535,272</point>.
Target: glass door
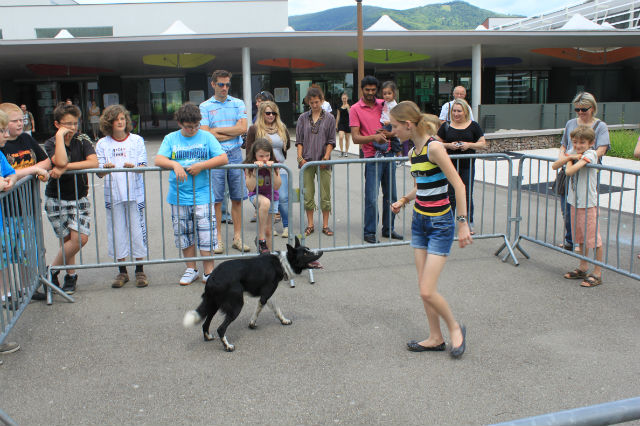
<point>302,86</point>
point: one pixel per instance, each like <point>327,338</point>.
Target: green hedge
<point>623,142</point>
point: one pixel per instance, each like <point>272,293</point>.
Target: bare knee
<point>427,296</point>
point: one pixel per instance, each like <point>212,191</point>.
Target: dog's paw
<point>285,321</point>
<point>191,318</point>
<point>227,346</point>
<point>253,325</point>
<point>208,337</point>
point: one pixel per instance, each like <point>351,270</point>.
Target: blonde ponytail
<point>426,124</point>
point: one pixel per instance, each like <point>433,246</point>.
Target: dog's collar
<point>288,272</point>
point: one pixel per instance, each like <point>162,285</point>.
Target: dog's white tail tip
<point>191,318</point>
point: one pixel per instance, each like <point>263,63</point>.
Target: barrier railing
<point>609,413</point>
<point>21,262</point>
<point>159,250</point>
<point>539,216</point>
<point>490,214</point>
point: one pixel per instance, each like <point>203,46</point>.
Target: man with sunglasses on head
<point>261,97</point>
<point>225,117</point>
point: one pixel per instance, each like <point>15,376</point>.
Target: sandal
<point>309,230</point>
<point>327,231</point>
<point>591,281</point>
<point>576,274</point>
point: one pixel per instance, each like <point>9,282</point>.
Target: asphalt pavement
<point>536,343</point>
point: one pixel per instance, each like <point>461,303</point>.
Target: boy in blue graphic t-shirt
<point>190,153</point>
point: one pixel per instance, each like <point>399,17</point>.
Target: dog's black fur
<point>258,276</point>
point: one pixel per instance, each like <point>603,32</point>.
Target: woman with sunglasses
<point>269,126</point>
<point>586,107</point>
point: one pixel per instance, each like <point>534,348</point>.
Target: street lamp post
<point>360,48</point>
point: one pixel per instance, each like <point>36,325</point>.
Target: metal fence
<point>610,413</point>
<point>539,217</point>
<point>21,263</point>
<point>160,247</point>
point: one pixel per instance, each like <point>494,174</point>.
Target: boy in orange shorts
<point>583,198</point>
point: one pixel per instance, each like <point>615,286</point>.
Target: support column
<point>476,79</point>
<point>246,82</point>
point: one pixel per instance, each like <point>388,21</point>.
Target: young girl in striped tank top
<point>433,225</point>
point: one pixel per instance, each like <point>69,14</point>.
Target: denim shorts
<point>433,233</point>
<point>273,208</point>
<point>233,177</point>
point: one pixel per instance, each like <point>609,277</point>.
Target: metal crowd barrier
<point>539,215</point>
<point>22,259</point>
<point>347,219</point>
<point>609,413</point>
<point>159,233</point>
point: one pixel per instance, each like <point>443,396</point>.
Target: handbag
<point>560,185</point>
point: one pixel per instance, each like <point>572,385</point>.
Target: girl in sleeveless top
<point>433,224</point>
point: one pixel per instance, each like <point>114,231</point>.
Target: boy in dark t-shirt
<point>68,209</point>
<point>22,151</point>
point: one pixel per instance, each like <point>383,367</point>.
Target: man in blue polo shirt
<point>225,117</point>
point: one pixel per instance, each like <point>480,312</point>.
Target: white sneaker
<point>189,276</point>
<point>285,233</point>
<point>205,277</point>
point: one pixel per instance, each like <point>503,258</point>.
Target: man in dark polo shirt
<point>364,120</point>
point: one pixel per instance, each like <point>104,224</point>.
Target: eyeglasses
<point>581,109</point>
<point>221,85</point>
<point>270,113</point>
<point>70,124</point>
<point>192,128</point>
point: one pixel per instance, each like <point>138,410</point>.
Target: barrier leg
<point>49,286</point>
<point>4,418</point>
<point>311,279</point>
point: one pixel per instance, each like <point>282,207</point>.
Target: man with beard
<point>364,120</point>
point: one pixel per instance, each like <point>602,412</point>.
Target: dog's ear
<point>297,242</point>
<point>289,248</point>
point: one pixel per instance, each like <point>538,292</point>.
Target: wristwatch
<point>461,219</point>
<point>300,160</point>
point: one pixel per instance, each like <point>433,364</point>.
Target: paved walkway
<point>536,343</point>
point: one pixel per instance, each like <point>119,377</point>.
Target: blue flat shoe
<point>414,346</point>
<point>457,352</point>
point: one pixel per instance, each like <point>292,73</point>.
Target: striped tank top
<point>431,198</point>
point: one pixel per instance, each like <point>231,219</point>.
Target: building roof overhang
<point>124,54</point>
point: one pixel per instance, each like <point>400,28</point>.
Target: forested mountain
<point>456,15</point>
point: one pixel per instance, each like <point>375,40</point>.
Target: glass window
<point>425,91</point>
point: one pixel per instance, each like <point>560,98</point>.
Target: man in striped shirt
<point>225,117</point>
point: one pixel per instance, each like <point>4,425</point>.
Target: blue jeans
<point>376,175</point>
<point>283,206</point>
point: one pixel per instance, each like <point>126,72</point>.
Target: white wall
<point>142,19</point>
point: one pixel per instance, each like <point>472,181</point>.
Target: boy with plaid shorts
<point>66,203</point>
<point>190,153</point>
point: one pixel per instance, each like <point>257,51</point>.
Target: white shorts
<point>126,219</point>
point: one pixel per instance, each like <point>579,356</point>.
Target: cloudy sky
<point>299,7</point>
